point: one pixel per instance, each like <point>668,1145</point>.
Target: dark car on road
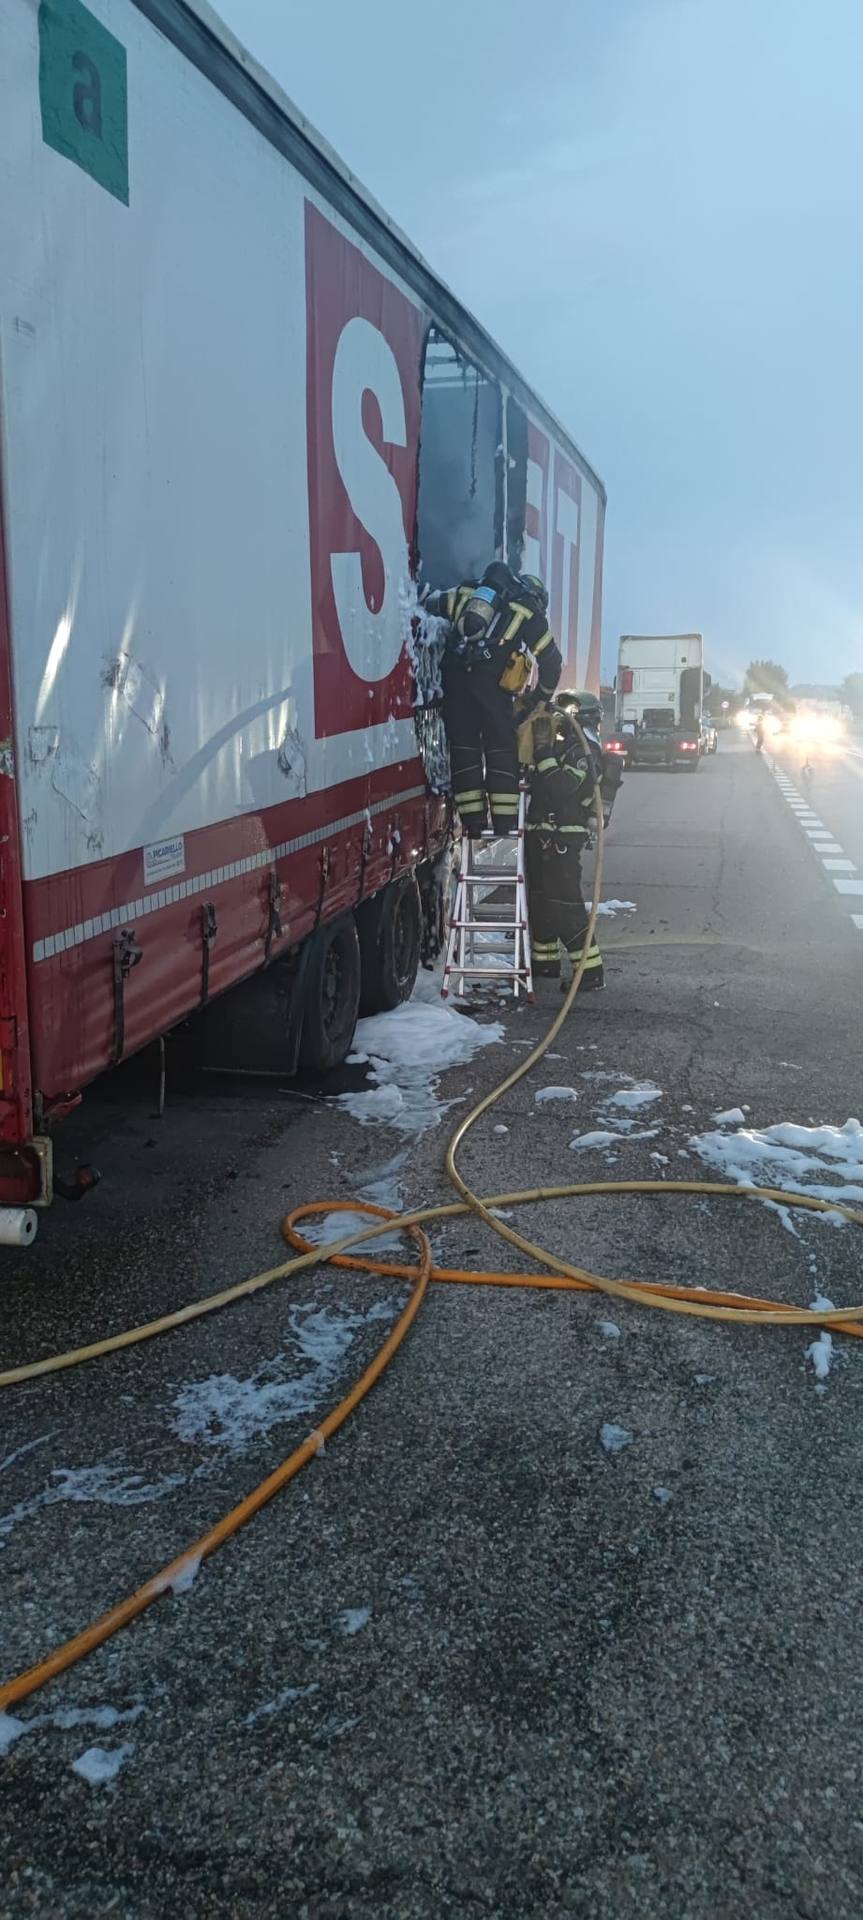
<point>659,741</point>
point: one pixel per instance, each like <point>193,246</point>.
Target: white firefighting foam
<point>406,1051</point>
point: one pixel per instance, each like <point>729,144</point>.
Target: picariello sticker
<point>164,858</point>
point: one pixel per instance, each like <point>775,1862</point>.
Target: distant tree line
<point>851,691</point>
<point>768,676</point>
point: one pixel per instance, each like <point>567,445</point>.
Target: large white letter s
<point>364,360</point>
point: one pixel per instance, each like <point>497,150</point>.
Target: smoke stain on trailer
<point>72,776</point>
<point>42,742</point>
<point>139,690</point>
<point>76,780</point>
<point>291,760</point>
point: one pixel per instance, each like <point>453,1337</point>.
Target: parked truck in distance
<point>659,687</point>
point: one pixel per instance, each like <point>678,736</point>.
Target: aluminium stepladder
<point>489,940</point>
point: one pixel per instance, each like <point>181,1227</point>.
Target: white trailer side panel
<point>158,537</point>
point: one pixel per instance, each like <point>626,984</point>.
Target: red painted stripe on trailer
<point>71,985</point>
<point>60,900</point>
<point>16,1100</point>
<point>378,818</point>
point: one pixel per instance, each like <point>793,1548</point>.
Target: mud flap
<point>433,880</point>
<point>257,1027</point>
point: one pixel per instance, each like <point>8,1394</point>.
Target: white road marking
<point>842,871</point>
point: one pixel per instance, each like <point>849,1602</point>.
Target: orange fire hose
<point>714,1304</point>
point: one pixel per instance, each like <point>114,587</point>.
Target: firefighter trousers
<point>480,723</point>
<point>555,905</point>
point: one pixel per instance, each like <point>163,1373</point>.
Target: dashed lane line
<point>834,860</point>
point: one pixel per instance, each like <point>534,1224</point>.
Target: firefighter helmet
<point>500,578</point>
<point>535,588</point>
<point>585,706</point>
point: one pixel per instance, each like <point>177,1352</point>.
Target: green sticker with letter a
<point>82,93</point>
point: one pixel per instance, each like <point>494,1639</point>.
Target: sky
<point>656,206</point>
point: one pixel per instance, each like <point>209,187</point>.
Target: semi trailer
<point>242,422</point>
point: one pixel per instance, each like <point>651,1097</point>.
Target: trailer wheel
<point>332,995</point>
<point>390,931</point>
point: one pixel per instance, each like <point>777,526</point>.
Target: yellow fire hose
<point>695,1301</point>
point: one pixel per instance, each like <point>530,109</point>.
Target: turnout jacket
<point>564,780</point>
<point>526,629</point>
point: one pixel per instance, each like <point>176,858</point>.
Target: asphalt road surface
<point>825,793</point>
<point>471,1663</point>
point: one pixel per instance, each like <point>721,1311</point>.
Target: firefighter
<point>588,712</point>
<point>497,628</point>
<point>566,775</point>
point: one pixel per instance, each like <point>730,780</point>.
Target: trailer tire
<point>332,995</point>
<point>390,932</point>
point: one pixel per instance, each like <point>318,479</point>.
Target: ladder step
<point>480,919</point>
<point>490,973</point>
<point>483,945</point>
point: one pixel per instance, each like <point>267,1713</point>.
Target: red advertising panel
<point>364,360</point>
<point>591,678</point>
<point>552,543</point>
<point>536,511</point>
<point>565,551</point>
